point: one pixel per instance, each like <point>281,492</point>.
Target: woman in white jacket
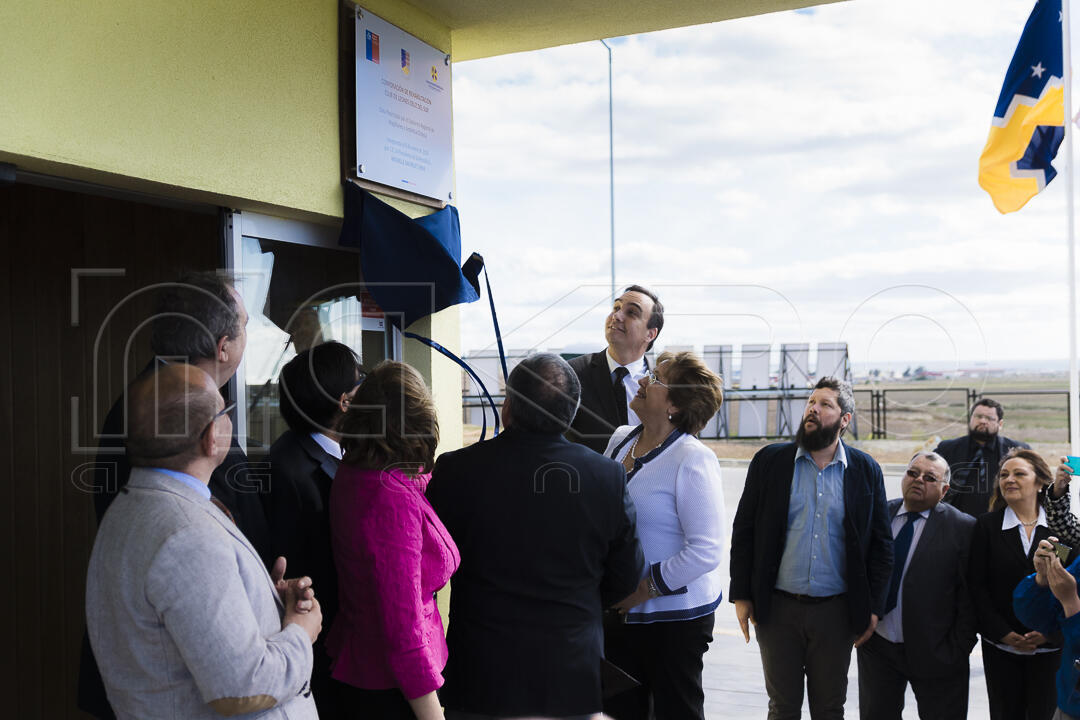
<point>674,481</point>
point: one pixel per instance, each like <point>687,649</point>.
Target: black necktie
<point>901,546</point>
<point>619,390</point>
<point>979,459</point>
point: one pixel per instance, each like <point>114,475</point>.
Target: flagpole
<point>1074,378</point>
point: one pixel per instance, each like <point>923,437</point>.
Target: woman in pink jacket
<point>391,552</point>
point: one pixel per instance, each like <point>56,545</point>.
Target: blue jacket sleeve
<point>1036,606</point>
<point>1070,628</point>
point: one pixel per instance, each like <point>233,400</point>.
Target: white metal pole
<point>611,166</point>
<point>1074,379</point>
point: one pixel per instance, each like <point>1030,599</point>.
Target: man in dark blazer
<point>811,556</point>
<point>928,630</point>
<point>975,458</point>
<point>314,391</point>
<point>609,378</point>
<point>548,540</point>
<point>199,320</point>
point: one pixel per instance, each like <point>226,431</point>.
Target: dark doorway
<point>73,294</point>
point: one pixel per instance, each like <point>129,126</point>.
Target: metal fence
<point>917,412</point>
<point>1034,415</point>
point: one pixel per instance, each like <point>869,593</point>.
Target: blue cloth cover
<point>411,267</point>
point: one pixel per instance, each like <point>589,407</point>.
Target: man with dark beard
<point>811,556</point>
<point>974,459</point>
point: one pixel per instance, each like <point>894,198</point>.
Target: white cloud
<point>825,156</point>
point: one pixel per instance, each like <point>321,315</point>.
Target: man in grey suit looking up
<point>928,630</point>
<point>182,616</point>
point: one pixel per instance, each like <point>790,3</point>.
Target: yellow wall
<point>228,102</point>
<point>442,374</point>
<point>233,102</point>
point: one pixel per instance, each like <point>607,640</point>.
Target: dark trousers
<point>362,704</point>
<point>884,673</point>
<point>91,697</point>
<point>811,639</point>
<point>1020,687</point>
<point>324,687</point>
<point>666,658</point>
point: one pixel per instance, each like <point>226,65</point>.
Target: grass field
<point>920,414</point>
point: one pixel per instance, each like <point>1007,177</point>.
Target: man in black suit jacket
<point>609,378</point>
<point>976,457</point>
<point>811,556</point>
<point>547,536</point>
<point>200,320</point>
<point>314,391</point>
<point>928,630</point>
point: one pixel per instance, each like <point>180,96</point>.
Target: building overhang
<point>483,28</point>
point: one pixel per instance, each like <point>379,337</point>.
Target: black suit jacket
<point>298,515</point>
<point>297,511</point>
<point>998,564</point>
<point>964,493</point>
<point>938,620</point>
<point>547,536</point>
<point>598,415</point>
<point>760,529</point>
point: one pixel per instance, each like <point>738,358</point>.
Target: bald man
<point>200,320</point>
<point>183,618</point>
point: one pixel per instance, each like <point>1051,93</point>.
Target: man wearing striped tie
<point>928,630</point>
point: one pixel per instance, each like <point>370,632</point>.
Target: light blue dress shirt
<point>189,480</point>
<point>815,560</point>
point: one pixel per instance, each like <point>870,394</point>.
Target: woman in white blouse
<point>1019,663</point>
<point>674,481</point>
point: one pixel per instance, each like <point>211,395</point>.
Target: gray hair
<point>933,457</point>
<point>845,396</point>
<point>193,314</point>
<point>543,393</point>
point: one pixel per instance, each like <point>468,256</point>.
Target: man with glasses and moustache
<point>928,630</point>
<point>811,556</point>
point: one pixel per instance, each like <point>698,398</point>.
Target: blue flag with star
<point>1029,120</point>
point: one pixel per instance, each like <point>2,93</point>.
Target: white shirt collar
<point>636,368</point>
<point>1010,520</point>
<point>924,514</point>
<point>332,448</point>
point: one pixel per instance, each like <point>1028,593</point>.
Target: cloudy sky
<point>796,177</point>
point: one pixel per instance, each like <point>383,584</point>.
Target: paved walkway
<point>734,685</point>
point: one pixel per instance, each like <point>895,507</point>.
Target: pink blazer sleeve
<point>394,532</point>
